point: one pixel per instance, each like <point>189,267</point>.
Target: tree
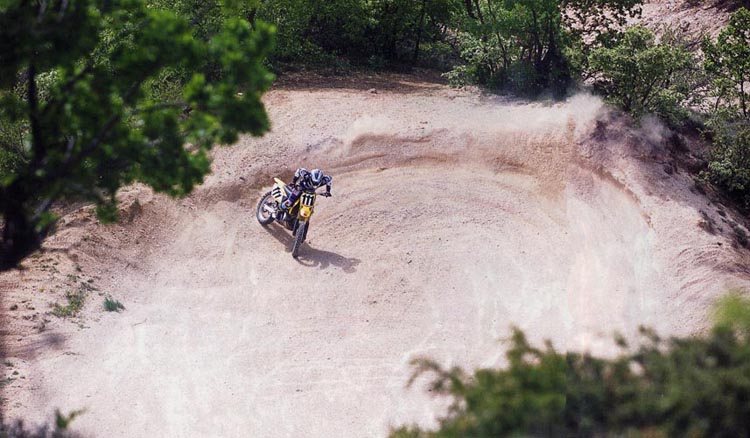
<point>316,28</point>
<point>516,44</point>
<point>401,26</point>
<point>729,160</point>
<point>79,77</point>
<point>641,75</point>
<point>728,61</point>
<point>358,30</point>
<point>536,45</point>
<point>666,387</point>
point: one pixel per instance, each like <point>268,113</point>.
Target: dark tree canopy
<point>80,88</point>
<point>530,46</point>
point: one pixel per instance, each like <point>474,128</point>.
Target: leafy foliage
<point>535,45</point>
<point>674,387</point>
<point>100,119</point>
<point>729,161</point>
<point>641,76</point>
<point>76,300</point>
<point>515,44</point>
<point>386,30</point>
<point>314,27</point>
<point>728,62</point>
<point>112,305</point>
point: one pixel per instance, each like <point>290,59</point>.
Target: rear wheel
<point>299,238</point>
<point>262,214</point>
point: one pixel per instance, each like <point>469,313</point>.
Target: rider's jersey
<point>302,178</point>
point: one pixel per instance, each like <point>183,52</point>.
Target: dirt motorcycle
<point>296,218</point>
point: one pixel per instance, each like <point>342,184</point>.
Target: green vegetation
<point>526,46</point>
<point>729,165</point>
<point>728,63</point>
<point>75,303</point>
<point>96,95</point>
<point>531,46</point>
<point>666,387</point>
<point>112,305</point>
<point>374,33</point>
<point>642,76</point>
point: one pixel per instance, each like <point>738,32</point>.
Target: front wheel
<point>264,216</point>
<point>299,238</point>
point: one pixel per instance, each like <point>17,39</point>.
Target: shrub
<point>696,386</point>
<point>535,46</point>
<point>728,62</point>
<point>729,162</point>
<point>112,305</point>
<point>74,305</point>
<point>641,75</point>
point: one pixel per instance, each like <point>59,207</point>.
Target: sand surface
<point>455,216</point>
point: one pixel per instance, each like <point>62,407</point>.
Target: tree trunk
<point>479,11</point>
<point>419,30</point>
<point>537,51</point>
<point>19,236</point>
<point>743,97</point>
<point>470,9</point>
<point>503,49</point>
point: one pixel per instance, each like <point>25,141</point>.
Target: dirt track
<point>454,216</point>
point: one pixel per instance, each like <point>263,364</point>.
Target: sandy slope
<point>692,19</point>
<point>454,216</point>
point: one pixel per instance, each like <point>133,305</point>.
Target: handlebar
<point>321,194</point>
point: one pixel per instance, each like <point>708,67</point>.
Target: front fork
<point>296,226</point>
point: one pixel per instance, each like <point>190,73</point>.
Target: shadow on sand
<point>311,257</point>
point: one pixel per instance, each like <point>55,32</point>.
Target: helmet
<point>316,176</point>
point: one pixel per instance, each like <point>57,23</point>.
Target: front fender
<point>304,213</point>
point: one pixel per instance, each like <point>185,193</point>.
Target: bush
<point>729,163</point>
<point>675,387</point>
<point>641,75</point>
<point>75,303</point>
<point>728,62</point>
<point>535,46</point>
<point>112,305</point>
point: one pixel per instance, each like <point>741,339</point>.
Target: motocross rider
<point>306,181</point>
